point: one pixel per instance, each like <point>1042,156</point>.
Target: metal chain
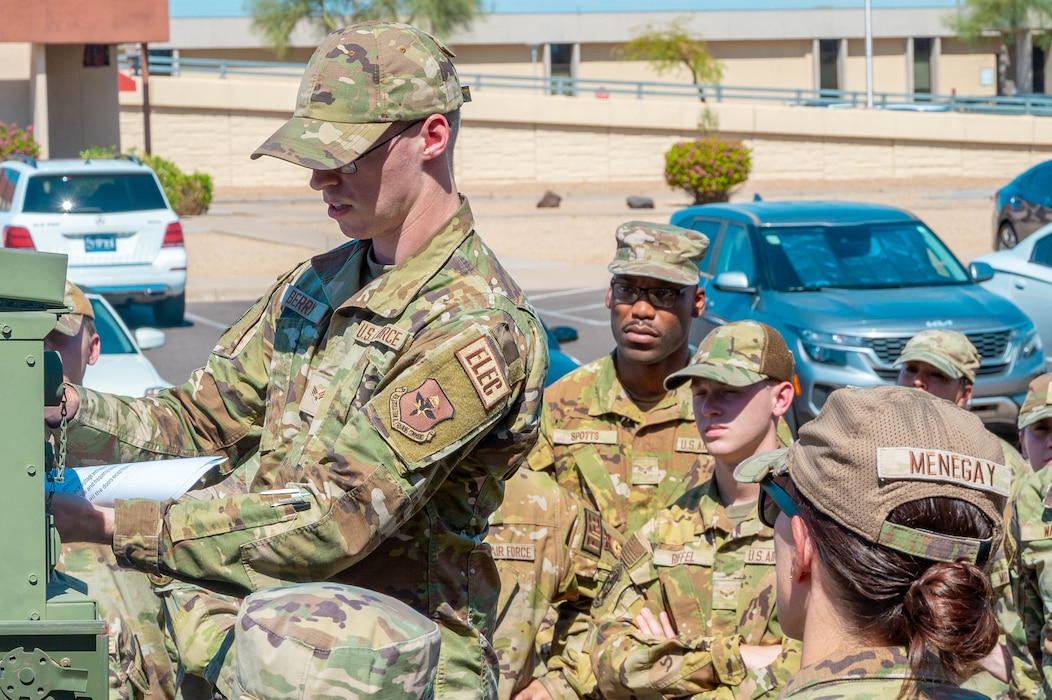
<point>60,466</point>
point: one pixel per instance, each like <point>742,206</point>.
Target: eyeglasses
<point>658,297</point>
<point>352,167</point>
<point>774,500</point>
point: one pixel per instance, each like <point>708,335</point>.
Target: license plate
<point>100,243</point>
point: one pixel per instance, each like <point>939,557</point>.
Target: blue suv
<point>847,285</point>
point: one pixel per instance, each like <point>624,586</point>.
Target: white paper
<point>158,480</point>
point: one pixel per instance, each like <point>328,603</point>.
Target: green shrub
<point>188,194</point>
<point>15,141</point>
<point>707,168</point>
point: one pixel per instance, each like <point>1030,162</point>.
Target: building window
<point>96,55</point>
<point>560,68</point>
<point>829,64</point>
<point>922,65</point>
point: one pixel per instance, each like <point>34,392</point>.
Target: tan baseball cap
<point>948,351</point>
<point>360,80</point>
<point>871,450</point>
<point>1038,403</point>
<point>738,354</point>
<point>662,251</point>
<point>69,323</point>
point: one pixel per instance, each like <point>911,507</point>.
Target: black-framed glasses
<point>352,167</point>
<point>774,500</point>
<point>658,297</point>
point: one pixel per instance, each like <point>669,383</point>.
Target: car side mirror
<point>149,338</point>
<point>980,271</point>
<point>733,282</point>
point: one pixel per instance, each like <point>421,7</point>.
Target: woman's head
<point>899,498</point>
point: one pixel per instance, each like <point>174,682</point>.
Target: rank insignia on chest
<point>416,412</point>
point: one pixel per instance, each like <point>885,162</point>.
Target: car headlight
<point>1031,342</point>
<point>830,348</point>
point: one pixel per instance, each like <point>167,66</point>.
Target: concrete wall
<point>81,102</point>
<point>14,84</point>
<point>213,126</point>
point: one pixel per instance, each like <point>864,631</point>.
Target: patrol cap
<point>948,351</point>
<point>327,640</point>
<point>70,323</point>
<point>738,354</point>
<point>871,450</point>
<point>1038,403</point>
<point>662,251</point>
<point>360,80</point>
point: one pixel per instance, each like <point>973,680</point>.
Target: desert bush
<point>17,142</point>
<point>707,168</point>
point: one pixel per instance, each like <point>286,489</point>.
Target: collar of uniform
<point>609,396</point>
<point>860,665</point>
<point>389,294</point>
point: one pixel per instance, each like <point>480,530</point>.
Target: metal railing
<point>1035,104</point>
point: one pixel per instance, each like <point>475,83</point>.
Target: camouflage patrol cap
<point>738,354</point>
<point>948,351</point>
<point>327,640</point>
<point>70,323</point>
<point>661,251</point>
<point>1038,403</point>
<point>871,450</point>
<point>360,80</point>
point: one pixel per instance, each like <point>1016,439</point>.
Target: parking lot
<point>558,255</point>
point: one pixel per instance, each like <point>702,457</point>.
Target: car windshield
<point>97,193</point>
<point>114,340</point>
<point>863,256</point>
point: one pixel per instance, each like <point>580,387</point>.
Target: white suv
<point>110,217</point>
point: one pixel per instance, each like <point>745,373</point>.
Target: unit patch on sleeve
<point>416,412</point>
<point>485,368</point>
<point>593,533</point>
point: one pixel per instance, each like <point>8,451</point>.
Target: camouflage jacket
<point>373,426</point>
<point>624,462</point>
<point>1030,552</point>
<point>716,581</point>
<point>1005,607</point>
<point>871,674</point>
<point>551,551</point>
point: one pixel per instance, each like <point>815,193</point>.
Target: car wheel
<point>1006,237</point>
<point>170,311</point>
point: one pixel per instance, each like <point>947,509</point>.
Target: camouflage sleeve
<point>217,411</point>
<point>595,548</point>
<point>1030,550</point>
<point>542,456</point>
<point>627,663</point>
<point>371,472</point>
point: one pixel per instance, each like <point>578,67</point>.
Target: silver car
<point>122,368</point>
<point>1023,275</point>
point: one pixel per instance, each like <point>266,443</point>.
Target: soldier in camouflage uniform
<point>381,649</point>
<point>886,512</point>
<point>943,363</point>
<point>690,609</point>
<point>1030,535</point>
<point>611,434</point>
<point>371,403</point>
<point>138,632</point>
<point>551,550</point>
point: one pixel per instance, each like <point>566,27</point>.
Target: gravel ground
<point>581,229</point>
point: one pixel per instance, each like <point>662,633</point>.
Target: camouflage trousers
<point>202,626</point>
<point>139,659</point>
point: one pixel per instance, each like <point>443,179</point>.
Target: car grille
<point>992,346</point>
